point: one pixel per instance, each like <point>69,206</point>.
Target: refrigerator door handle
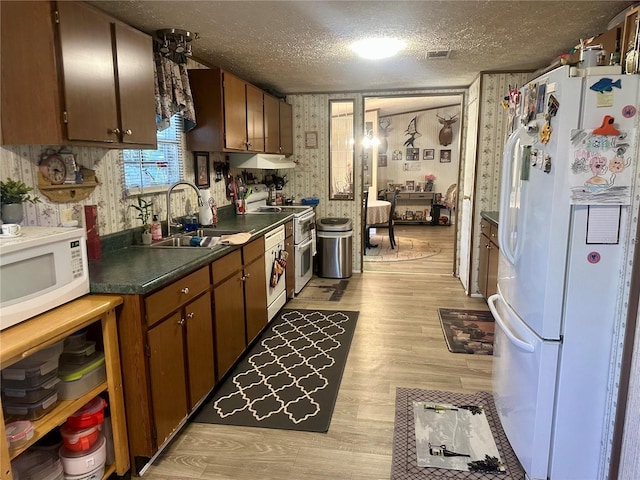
<point>521,344</point>
<point>505,196</point>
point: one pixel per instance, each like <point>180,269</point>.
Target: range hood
<point>265,161</point>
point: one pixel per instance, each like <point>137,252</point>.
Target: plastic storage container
<point>29,373</point>
<point>83,463</point>
<point>76,339</point>
<point>92,475</point>
<point>76,380</point>
<point>31,411</point>
<point>79,440</point>
<point>31,394</point>
<point>91,414</point>
<point>18,433</point>
<point>35,465</point>
<point>335,247</point>
<point>78,355</point>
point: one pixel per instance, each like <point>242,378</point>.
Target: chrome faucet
<point>170,224</point>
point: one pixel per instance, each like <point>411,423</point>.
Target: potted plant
<point>144,214</point>
<point>13,193</point>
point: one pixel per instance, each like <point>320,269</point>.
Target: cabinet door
<point>483,265</point>
<point>286,128</point>
<point>271,124</point>
<point>200,352</point>
<point>168,378</point>
<point>136,88</point>
<point>235,112</point>
<point>255,119</point>
<point>88,72</point>
<point>229,322</point>
<point>255,297</point>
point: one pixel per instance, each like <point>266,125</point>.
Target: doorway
<point>412,145</point>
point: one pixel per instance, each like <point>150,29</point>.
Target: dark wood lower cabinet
<point>178,341</point>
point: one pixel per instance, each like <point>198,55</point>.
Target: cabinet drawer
<point>226,266</point>
<point>252,250</point>
<point>421,196</point>
<point>493,233</point>
<point>402,196</point>
<point>288,229</point>
<point>485,227</point>
<point>168,299</point>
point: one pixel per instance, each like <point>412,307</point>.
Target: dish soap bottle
<point>156,229</point>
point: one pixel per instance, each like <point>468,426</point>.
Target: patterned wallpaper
<point>309,178</point>
<point>492,125</point>
<point>311,175</point>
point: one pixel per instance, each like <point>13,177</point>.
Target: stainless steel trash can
<point>335,247</point>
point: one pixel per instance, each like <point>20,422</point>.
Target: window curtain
<point>173,93</point>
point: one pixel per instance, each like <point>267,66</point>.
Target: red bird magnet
<point>607,127</point>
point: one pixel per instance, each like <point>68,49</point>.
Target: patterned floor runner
<point>290,377</point>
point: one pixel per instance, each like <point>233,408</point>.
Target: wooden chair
<point>389,224</point>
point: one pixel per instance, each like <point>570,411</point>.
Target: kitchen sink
<point>217,232</point>
<point>210,235</point>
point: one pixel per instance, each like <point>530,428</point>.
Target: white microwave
<point>40,269</point>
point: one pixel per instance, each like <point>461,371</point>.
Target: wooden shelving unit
<point>419,201</point>
<point>43,331</point>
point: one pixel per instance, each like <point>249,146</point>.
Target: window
<point>155,170</point>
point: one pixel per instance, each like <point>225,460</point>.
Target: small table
<point>377,212</point>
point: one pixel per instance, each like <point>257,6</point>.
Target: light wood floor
<point>398,342</point>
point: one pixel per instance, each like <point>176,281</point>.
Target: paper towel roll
<point>206,215</point>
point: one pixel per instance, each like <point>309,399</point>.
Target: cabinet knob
<point>245,277</point>
<point>128,132</point>
<point>190,315</point>
<point>488,246</point>
<point>181,321</point>
<point>115,131</point>
<point>185,290</point>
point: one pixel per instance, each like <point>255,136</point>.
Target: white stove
<point>304,230</point>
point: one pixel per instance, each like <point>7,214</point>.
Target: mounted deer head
<point>446,133</point>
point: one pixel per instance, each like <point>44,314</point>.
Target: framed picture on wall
<point>428,154</point>
<point>396,155</point>
<point>310,139</point>
<point>201,169</point>
<point>413,154</point>
<point>445,156</point>
<point>382,160</point>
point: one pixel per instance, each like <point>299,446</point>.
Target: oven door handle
<point>304,245</point>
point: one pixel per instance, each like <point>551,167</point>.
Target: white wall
<point>428,126</point>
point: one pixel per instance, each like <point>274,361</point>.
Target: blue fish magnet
<point>606,85</point>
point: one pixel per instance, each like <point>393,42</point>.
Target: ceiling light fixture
<point>175,43</point>
<point>376,48</point>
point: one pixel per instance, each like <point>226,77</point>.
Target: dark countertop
<point>138,269</point>
<point>491,217</point>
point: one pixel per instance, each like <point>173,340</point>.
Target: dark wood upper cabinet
<point>236,116</point>
<point>286,128</point>
<point>79,76</point>
<point>271,124</point>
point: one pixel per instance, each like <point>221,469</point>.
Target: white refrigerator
<point>562,234</point>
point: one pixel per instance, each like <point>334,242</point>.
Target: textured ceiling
<point>303,46</point>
